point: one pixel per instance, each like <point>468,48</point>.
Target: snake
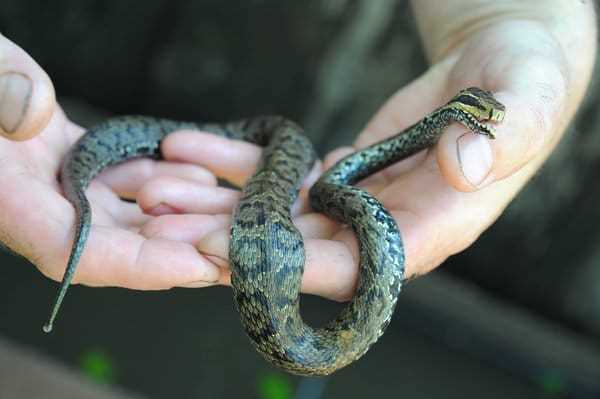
<point>266,251</point>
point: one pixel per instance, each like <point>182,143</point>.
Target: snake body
<point>266,250</point>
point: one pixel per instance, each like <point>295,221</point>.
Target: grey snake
<point>266,250</point>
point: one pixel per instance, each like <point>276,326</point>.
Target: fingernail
<point>15,95</point>
<point>475,158</point>
<point>197,284</point>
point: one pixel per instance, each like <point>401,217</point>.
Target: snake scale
<point>266,250</point>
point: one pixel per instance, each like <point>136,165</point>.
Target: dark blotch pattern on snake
<point>266,250</point>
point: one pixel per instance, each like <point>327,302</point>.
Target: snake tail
<point>118,140</point>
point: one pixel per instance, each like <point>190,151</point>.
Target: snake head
<point>475,106</point>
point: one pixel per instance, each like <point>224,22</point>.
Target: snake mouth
<point>479,125</point>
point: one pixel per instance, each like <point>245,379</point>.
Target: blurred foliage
<point>98,365</point>
<point>274,386</point>
<point>553,383</point>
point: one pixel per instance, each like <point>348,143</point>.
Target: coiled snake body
<point>266,250</point>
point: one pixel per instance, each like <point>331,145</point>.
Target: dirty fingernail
<point>15,95</point>
<point>475,158</point>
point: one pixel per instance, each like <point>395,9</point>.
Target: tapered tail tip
<point>47,328</point>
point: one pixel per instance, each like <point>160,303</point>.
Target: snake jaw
<point>476,126</point>
<point>482,128</point>
<point>485,130</point>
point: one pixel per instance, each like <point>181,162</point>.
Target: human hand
<point>536,59</point>
<point>37,221</point>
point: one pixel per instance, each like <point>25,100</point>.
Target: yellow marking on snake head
<point>479,103</point>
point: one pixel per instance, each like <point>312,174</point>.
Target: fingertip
<point>313,175</point>
<point>215,246</point>
<point>161,195</point>
<point>302,203</point>
<point>127,178</point>
<point>165,263</point>
<point>233,160</point>
<point>330,270</point>
<point>187,228</point>
<point>316,225</point>
<point>151,196</point>
<point>27,93</point>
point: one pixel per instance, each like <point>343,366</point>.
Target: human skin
<point>537,61</point>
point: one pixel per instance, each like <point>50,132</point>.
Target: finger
<point>126,179</point>
<point>317,226</point>
<point>433,227</point>
<point>115,257</point>
<point>106,204</point>
<point>302,204</point>
<point>173,195</point>
<point>232,160</point>
<point>26,93</point>
<point>329,269</point>
<point>185,228</point>
<point>195,228</point>
<point>192,229</point>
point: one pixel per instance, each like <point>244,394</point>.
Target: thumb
<point>26,94</point>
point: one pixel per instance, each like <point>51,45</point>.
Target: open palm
<point>37,221</point>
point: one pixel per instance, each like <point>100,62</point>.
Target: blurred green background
<point>517,315</point>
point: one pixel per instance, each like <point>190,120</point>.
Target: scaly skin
<point>266,250</point>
